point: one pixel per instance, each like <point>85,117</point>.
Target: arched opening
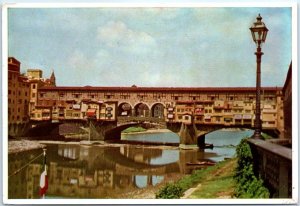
<point>124,109</point>
<point>157,111</point>
<point>142,110</point>
<point>225,141</point>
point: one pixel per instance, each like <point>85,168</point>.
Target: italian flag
<point>43,182</point>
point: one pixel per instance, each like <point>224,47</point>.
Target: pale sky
<point>170,47</point>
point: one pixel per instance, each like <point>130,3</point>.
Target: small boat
<point>210,146</point>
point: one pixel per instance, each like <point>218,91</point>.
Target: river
<point>98,171</point>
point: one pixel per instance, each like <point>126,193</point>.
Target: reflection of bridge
<point>97,172</point>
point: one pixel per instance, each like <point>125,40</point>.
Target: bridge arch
<point>157,110</point>
<point>141,109</point>
<point>124,109</point>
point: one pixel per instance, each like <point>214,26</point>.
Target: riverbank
<point>15,146</point>
<point>149,131</point>
<point>215,182</point>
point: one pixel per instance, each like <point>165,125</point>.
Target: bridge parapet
<point>126,119</point>
<point>274,164</point>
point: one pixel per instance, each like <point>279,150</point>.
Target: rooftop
<point>161,89</point>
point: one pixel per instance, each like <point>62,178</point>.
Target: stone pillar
<point>99,130</point>
<point>283,177</point>
<point>201,141</point>
<point>188,136</point>
<point>149,180</point>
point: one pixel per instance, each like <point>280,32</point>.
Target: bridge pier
<point>201,141</point>
<point>190,136</point>
<point>101,130</point>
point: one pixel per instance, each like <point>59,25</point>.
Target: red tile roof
<point>160,89</point>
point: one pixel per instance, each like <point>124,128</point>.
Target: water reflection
<point>76,171</point>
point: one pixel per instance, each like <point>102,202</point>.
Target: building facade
<point>287,95</point>
<point>36,81</point>
<point>39,99</point>
<point>18,93</point>
<point>226,106</point>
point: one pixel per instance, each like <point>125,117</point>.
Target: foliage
<point>248,185</point>
<point>265,136</point>
<point>134,129</point>
<point>170,191</point>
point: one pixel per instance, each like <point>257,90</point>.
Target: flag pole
<point>45,170</point>
<point>45,163</point>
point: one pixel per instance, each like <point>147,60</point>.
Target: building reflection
<point>76,171</point>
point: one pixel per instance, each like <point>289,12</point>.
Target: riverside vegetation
<point>134,129</point>
<point>232,178</point>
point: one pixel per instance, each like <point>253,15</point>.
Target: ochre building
<point>18,93</point>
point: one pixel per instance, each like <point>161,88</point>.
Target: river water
<point>81,171</point>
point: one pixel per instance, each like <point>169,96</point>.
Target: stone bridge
<point>190,134</point>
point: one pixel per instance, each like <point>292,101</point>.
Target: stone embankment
<point>15,146</point>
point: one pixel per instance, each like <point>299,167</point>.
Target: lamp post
<point>259,33</point>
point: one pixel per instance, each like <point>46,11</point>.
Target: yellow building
<point>36,81</point>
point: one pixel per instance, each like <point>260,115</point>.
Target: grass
<point>215,182</point>
<point>134,129</point>
<point>212,182</point>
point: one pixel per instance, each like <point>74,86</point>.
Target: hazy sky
<point>188,47</point>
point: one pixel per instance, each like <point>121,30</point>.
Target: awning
<point>76,106</point>
<point>207,117</point>
<point>237,116</point>
<point>170,116</point>
<point>247,116</point>
<point>199,111</point>
<point>91,112</point>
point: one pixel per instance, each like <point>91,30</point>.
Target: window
<point>33,86</point>
<point>9,91</point>
<point>33,95</point>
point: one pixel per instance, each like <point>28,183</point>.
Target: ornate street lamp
<point>259,33</point>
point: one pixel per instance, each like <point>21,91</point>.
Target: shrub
<point>248,185</point>
<point>170,191</point>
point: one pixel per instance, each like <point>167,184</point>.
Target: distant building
<point>18,93</point>
<point>23,95</point>
<point>287,102</point>
<point>36,81</point>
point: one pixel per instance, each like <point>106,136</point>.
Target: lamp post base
<point>257,135</point>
